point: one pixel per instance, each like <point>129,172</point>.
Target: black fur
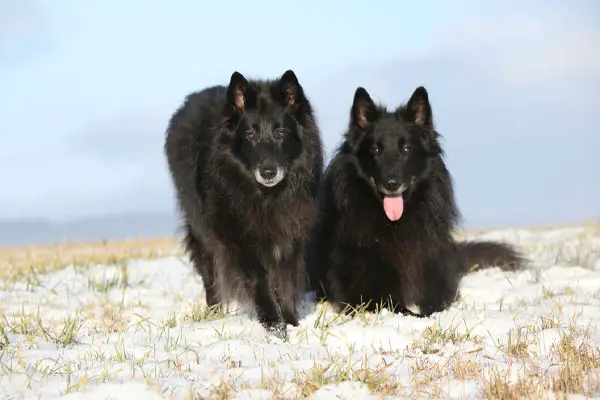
<point>483,254</point>
<point>247,239</point>
<point>360,256</point>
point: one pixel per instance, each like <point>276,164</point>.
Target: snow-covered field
<point>139,330</point>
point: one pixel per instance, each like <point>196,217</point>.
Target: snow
<point>138,334</point>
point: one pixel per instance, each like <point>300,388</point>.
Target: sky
<point>86,90</point>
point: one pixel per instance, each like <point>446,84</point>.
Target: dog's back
<point>189,133</point>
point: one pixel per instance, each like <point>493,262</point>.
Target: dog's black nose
<point>268,172</point>
<point>392,185</point>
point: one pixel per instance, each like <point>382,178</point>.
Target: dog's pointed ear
<point>418,111</point>
<point>363,108</point>
<point>362,113</point>
<point>418,108</point>
<point>236,91</point>
<point>290,93</point>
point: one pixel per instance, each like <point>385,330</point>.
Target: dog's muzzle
<point>269,177</point>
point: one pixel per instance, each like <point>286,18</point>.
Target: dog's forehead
<point>266,106</point>
<point>391,128</point>
<point>266,109</point>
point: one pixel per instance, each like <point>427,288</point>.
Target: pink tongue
<point>393,206</point>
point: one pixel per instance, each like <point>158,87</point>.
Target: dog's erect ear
<point>363,108</point>
<point>362,113</point>
<point>418,109</point>
<point>236,92</point>
<point>290,92</point>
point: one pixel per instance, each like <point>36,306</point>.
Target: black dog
<point>388,212</point>
<point>246,161</point>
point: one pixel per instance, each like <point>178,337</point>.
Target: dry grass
<point>576,362</point>
<point>378,379</point>
<point>19,260</point>
<point>518,345</point>
<point>497,387</point>
<point>465,369</point>
<point>575,370</point>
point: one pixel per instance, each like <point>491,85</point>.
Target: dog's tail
<point>484,254</point>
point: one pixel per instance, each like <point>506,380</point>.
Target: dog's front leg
<point>262,294</point>
<point>291,272</point>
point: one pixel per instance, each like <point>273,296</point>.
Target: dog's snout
<point>268,171</point>
<point>392,184</point>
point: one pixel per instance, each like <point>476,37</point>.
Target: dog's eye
<point>282,133</point>
<point>250,135</point>
<point>376,149</point>
<point>407,148</point>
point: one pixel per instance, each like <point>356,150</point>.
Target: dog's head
<point>263,125</point>
<point>393,149</point>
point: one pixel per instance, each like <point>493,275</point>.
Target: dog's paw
<point>291,319</point>
<point>277,329</point>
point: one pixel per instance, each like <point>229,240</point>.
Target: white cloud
<point>530,51</point>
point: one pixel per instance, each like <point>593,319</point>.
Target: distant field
<point>45,258</point>
<point>591,225</point>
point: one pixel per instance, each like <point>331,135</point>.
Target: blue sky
<point>87,88</point>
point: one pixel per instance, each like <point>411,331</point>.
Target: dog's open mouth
<point>393,202</point>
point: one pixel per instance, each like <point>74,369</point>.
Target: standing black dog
<point>388,213</point>
<point>246,161</point>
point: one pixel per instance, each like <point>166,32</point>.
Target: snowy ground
<point>140,331</point>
